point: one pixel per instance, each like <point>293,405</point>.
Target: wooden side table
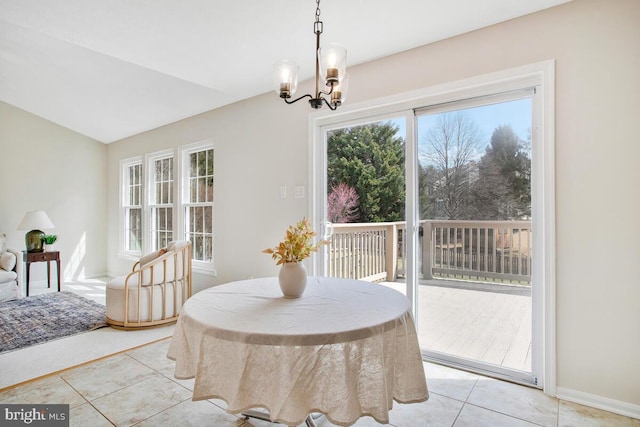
<point>47,257</point>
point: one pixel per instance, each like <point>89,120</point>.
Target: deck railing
<point>363,251</point>
<point>475,250</point>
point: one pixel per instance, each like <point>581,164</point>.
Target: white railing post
<point>391,252</point>
<point>427,250</point>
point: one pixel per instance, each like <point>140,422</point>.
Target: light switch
<point>299,192</point>
<point>283,191</point>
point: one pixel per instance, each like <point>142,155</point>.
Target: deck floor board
<point>472,320</point>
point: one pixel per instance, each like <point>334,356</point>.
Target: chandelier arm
<point>297,99</point>
<point>332,108</point>
<point>322,92</point>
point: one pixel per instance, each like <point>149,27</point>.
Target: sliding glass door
<point>437,203</point>
<point>474,186</point>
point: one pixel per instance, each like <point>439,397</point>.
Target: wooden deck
<point>486,322</point>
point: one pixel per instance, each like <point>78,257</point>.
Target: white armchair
<point>155,290</point>
<point>10,272</point>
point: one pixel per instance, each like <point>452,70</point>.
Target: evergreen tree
<point>370,158</point>
<point>503,191</point>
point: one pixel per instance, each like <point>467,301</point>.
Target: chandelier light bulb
<point>333,60</point>
<point>286,78</point>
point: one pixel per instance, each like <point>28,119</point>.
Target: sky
<point>516,113</point>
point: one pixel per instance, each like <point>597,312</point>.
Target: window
<point>161,200</point>
<point>132,205</point>
<point>198,201</point>
<point>153,214</point>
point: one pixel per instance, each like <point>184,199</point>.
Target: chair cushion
<point>172,262</point>
<point>176,245</point>
<point>8,290</point>
<point>7,261</point>
<point>3,243</point>
<point>115,300</point>
<point>7,276</point>
<point>146,259</point>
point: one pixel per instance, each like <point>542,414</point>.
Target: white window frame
<point>125,164</point>
<point>180,195</point>
<point>202,267</point>
<point>150,190</point>
<point>539,75</point>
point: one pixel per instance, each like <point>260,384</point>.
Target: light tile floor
<point>138,388</point>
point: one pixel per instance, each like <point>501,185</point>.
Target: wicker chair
<point>155,290</point>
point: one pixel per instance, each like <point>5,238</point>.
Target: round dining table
<point>345,349</point>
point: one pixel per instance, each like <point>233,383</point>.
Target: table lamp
<point>34,221</point>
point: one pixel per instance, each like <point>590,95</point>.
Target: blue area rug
<point>40,318</point>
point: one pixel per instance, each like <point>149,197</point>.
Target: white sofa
<point>155,290</point>
<point>10,272</point>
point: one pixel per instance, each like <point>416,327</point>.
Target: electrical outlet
<point>299,192</point>
<point>283,191</point>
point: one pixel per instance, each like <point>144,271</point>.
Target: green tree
<point>428,176</point>
<point>370,158</point>
<point>503,190</point>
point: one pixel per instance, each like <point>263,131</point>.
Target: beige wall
<point>262,144</point>
<point>47,167</point>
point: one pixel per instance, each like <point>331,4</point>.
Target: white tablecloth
<point>346,349</point>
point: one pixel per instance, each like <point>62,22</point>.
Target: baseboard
<point>599,402</point>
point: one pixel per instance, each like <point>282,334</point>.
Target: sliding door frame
<point>539,75</point>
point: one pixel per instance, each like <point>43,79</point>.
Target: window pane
<point>202,160</point>
<point>202,188</point>
<point>209,189</point>
<point>200,219</point>
<point>134,229</point>
<point>208,219</point>
<point>199,226</point>
<point>164,176</point>
<point>193,189</point>
<point>162,230</point>
<point>158,194</point>
<point>137,174</point>
<point>207,253</point>
<point>160,221</point>
<point>170,219</point>
<point>198,247</point>
<point>193,170</point>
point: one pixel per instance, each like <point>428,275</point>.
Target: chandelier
<point>331,67</point>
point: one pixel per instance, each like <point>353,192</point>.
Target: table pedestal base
<point>309,422</point>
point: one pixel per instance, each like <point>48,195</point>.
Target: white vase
<point>49,247</point>
<point>293,279</point>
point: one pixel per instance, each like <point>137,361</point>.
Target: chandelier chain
<point>317,10</point>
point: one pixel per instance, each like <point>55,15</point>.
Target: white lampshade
<point>35,220</point>
<point>333,63</point>
<point>285,78</point>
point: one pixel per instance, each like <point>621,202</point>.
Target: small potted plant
<point>49,241</point>
<point>296,246</point>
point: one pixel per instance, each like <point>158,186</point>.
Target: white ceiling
<point>110,69</point>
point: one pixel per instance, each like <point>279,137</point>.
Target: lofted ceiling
<point>109,69</point>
